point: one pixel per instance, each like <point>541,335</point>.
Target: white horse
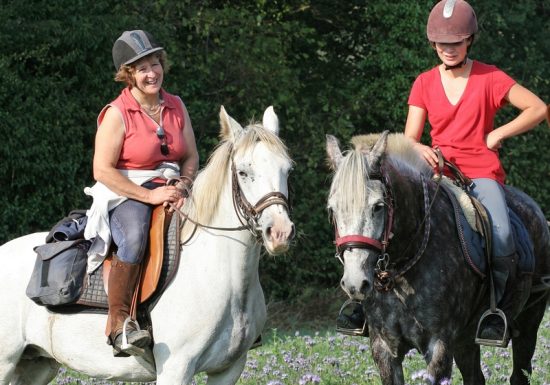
<point>214,309</point>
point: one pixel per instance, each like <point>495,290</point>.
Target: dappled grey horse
<point>403,259</point>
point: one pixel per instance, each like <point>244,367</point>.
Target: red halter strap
<point>357,241</point>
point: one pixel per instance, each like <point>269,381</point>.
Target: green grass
<point>324,357</point>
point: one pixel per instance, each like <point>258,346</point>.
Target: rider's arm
<point>532,113</point>
<point>414,126</point>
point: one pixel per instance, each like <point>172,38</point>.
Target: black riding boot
<point>353,323</point>
<point>507,297</point>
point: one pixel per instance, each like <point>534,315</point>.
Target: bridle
<point>384,276</point>
<point>247,213</point>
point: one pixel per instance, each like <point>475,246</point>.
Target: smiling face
<point>452,54</point>
<point>148,75</point>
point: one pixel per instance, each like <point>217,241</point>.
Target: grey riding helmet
<point>132,46</point>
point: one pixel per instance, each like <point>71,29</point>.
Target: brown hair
<point>125,74</point>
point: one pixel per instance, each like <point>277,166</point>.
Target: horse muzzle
<point>357,280</point>
<point>277,233</point>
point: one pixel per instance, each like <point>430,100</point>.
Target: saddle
<point>158,269</point>
<point>474,224</point>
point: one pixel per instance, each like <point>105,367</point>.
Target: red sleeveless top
<point>141,146</point>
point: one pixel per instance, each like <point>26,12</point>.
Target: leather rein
<point>384,276</point>
<point>247,213</point>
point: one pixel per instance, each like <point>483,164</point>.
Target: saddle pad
<point>94,298</point>
<point>473,243</point>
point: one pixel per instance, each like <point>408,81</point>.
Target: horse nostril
<point>365,286</point>
<point>292,232</point>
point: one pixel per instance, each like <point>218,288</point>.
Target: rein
<point>247,213</point>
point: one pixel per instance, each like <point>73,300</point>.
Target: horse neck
<point>408,211</point>
<point>237,251</point>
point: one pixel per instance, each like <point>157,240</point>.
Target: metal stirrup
<point>125,346</point>
<point>351,331</point>
<point>493,311</point>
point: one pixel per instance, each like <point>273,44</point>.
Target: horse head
<point>260,166</point>
<point>357,203</point>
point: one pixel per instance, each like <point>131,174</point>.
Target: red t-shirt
<point>460,130</point>
<point>141,147</point>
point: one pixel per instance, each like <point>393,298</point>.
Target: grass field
<point>301,347</point>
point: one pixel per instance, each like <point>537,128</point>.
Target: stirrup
<point>125,346</point>
<point>501,343</point>
<point>351,331</point>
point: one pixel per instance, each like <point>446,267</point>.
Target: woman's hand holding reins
<point>165,194</point>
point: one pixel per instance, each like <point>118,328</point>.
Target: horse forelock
<point>211,180</point>
<point>254,133</point>
<point>349,185</point>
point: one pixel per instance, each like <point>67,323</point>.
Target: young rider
<point>460,98</point>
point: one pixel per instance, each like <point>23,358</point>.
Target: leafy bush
<point>342,68</point>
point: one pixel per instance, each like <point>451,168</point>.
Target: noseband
<point>250,214</point>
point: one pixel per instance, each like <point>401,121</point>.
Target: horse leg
<point>389,365</point>
<point>468,358</point>
<point>230,376</point>
<point>523,346</point>
<point>439,361</point>
<point>36,371</point>
<point>9,361</point>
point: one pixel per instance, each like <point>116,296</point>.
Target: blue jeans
<point>129,223</point>
<point>490,193</point>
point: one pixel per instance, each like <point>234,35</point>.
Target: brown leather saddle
<point>158,269</point>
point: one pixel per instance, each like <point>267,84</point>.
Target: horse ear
<point>230,128</point>
<point>333,151</point>
<point>374,157</point>
<point>270,120</point>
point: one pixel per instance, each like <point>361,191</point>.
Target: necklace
<point>151,110</point>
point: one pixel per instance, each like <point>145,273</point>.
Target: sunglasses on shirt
<point>162,137</point>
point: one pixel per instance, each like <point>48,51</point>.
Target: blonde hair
<point>125,73</point>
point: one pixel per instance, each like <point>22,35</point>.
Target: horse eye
<point>243,174</point>
<point>379,206</point>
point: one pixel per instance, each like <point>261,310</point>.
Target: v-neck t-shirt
<point>459,130</point>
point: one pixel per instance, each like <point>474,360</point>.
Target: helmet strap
<point>459,65</point>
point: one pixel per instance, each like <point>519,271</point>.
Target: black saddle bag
<point>59,272</point>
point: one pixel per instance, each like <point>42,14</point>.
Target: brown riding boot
<point>125,335</point>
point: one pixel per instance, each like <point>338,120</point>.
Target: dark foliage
<point>327,67</point>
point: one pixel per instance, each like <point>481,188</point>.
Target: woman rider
<point>144,138</point>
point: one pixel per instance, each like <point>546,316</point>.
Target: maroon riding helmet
<point>451,21</point>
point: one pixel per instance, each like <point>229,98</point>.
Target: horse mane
<point>349,184</point>
<point>210,183</point>
<point>400,152</point>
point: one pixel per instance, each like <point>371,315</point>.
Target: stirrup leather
<point>351,331</point>
<point>502,342</point>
